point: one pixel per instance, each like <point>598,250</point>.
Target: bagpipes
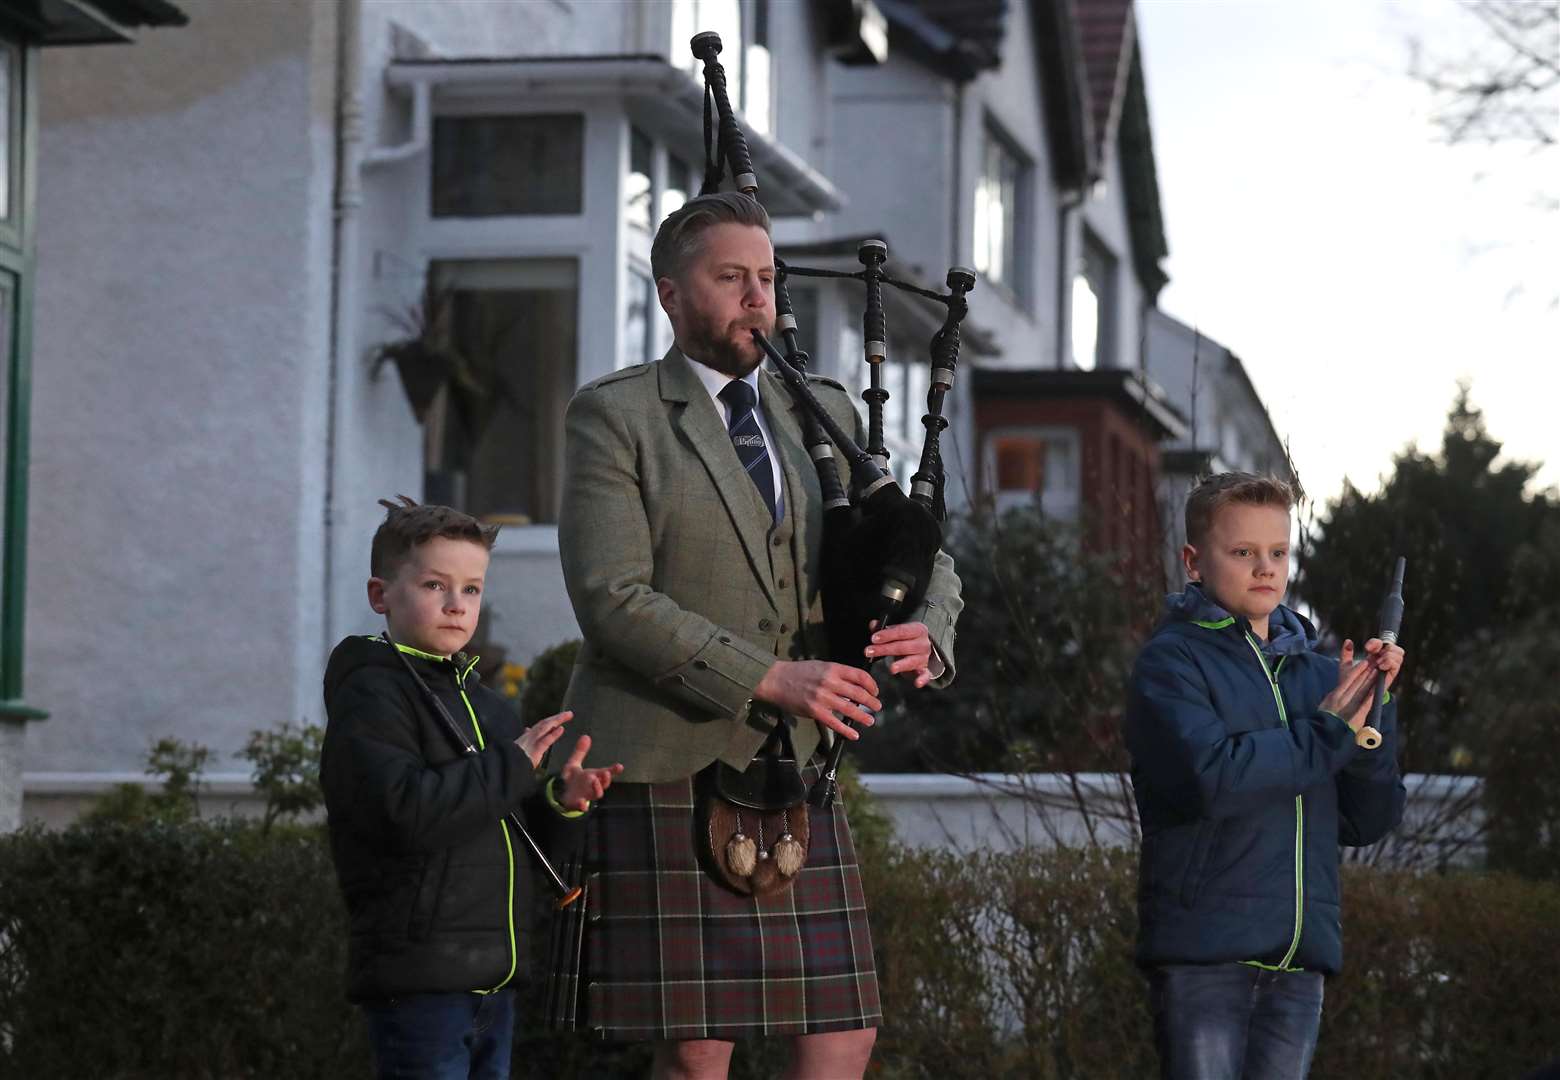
<point>879,544</point>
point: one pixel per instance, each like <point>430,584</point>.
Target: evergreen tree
<point>1464,520</point>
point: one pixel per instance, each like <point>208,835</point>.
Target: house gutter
<point>344,256</point>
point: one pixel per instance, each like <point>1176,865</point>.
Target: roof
<point>1107,34</point>
<point>1131,391</point>
<point>76,22</point>
<point>1064,94</point>
<point>1140,178</point>
<point>961,38</point>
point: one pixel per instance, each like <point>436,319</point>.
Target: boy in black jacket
<point>1248,776</point>
<point>434,879</point>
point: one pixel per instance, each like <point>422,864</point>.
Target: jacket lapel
<point>695,415</point>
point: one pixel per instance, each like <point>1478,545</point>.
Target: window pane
<point>996,202</point>
<point>691,17</point>
<point>756,96</point>
<point>491,165</point>
<point>637,338</point>
<point>636,188</point>
<point>1019,463</point>
<point>1085,323</point>
<point>679,181</point>
<point>513,326</point>
<point>804,305</point>
<point>894,410</point>
<point>916,387</point>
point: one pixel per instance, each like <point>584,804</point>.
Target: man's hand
<point>822,691</point>
<point>582,786</point>
<point>911,643</point>
<point>536,739</point>
<point>1351,698</point>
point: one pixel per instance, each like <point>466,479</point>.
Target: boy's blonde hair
<point>408,526</point>
<point>1220,490</point>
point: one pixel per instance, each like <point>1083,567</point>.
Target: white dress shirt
<point>714,381</point>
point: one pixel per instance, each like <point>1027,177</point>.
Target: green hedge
<point>215,950</point>
<point>173,950</point>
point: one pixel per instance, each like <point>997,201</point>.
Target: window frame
<point>1055,505</point>
<point>1016,283</point>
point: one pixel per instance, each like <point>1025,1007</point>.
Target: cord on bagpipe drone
<point>879,545</point>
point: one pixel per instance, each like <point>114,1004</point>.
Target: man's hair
<point>408,526</point>
<point>681,234</point>
<point>1222,489</point>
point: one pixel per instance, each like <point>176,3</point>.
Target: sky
<point>1319,227</point>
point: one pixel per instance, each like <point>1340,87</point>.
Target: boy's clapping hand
<point>582,786</point>
<point>1351,698</point>
<point>539,737</point>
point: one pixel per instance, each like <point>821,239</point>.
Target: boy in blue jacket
<point>1247,777</point>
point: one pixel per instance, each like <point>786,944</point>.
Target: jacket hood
<point>367,650</point>
<point>1288,632</point>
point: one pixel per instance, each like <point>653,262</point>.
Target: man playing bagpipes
<point>719,904</point>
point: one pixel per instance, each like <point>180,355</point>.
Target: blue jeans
<point>442,1036</point>
<point>1234,1021</point>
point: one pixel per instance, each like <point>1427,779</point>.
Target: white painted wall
<point>180,382</point>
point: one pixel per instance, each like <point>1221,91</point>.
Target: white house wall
<point>180,384</point>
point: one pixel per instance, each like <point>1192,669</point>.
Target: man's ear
<point>1189,561</point>
<point>376,595</point>
<point>666,292</point>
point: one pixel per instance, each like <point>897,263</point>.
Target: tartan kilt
<point>657,949</point>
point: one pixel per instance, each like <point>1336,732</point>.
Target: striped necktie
<point>742,401</point>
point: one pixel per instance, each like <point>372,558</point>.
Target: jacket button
<point>784,629</point>
<point>782,583</point>
<point>778,542</point>
<point>702,665</point>
<point>724,640</point>
<point>764,624</point>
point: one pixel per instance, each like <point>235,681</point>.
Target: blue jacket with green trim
<point>1245,789</point>
<point>437,885</point>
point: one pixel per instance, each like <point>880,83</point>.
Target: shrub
<point>546,681</point>
<point>164,950</point>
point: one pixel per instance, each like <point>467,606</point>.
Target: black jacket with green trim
<point>436,882</point>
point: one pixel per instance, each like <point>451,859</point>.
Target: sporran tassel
<point>741,852</point>
<point>789,855</point>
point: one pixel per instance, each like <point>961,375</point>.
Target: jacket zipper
<point>509,849</point>
<point>1283,716</point>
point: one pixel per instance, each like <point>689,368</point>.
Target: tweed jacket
<point>665,547</point>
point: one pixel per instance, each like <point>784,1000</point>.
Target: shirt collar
<point>714,381</point>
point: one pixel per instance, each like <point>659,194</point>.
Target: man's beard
<point>703,341</point>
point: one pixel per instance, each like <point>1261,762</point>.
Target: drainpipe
<point>344,293</point>
<point>1070,201</point>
